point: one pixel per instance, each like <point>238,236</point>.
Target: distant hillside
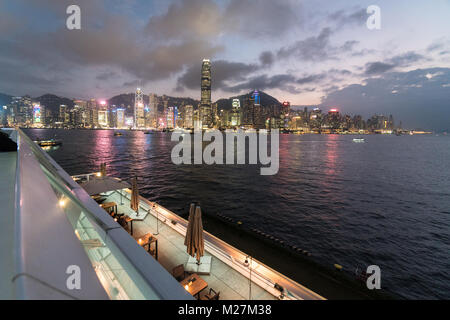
<point>53,102</point>
<point>123,100</point>
<point>128,100</point>
<point>5,99</point>
<point>266,100</point>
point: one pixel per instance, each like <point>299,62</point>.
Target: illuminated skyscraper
<point>139,114</point>
<point>256,98</point>
<point>64,114</point>
<point>103,118</point>
<point>248,112</point>
<point>93,112</point>
<point>257,110</point>
<point>172,117</point>
<point>236,104</point>
<point>22,110</point>
<point>120,118</point>
<point>315,119</point>
<point>81,114</point>
<point>334,119</point>
<point>153,110</point>
<point>286,108</point>
<point>188,116</point>
<point>37,115</point>
<point>235,113</point>
<point>205,103</point>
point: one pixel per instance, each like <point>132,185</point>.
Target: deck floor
<point>172,252</point>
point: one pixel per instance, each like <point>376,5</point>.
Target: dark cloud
<point>309,79</point>
<point>263,82</point>
<point>343,72</point>
<point>406,58</point>
<point>316,48</point>
<point>262,18</point>
<point>310,49</point>
<point>266,58</point>
<point>373,68</point>
<point>284,82</point>
<point>343,18</point>
<point>204,18</point>
<point>438,45</point>
<point>236,77</point>
<point>187,19</point>
<point>362,52</point>
<point>159,49</point>
<point>348,46</point>
<point>111,45</point>
<point>403,60</point>
<point>106,75</point>
<point>223,72</point>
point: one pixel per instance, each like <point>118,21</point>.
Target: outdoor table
<point>130,220</point>
<point>147,240</point>
<point>98,198</point>
<point>196,286</point>
<point>109,205</point>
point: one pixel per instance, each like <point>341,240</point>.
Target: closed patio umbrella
<point>134,196</point>
<point>188,239</point>
<point>197,234</point>
<point>103,169</point>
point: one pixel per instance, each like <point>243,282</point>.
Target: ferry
<point>117,134</point>
<point>359,140</point>
<point>48,143</point>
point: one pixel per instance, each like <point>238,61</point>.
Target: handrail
<point>146,277</point>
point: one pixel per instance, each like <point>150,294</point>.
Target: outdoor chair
<point>212,295</point>
<point>122,222</point>
<point>179,273</point>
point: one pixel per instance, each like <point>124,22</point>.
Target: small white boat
<point>359,140</point>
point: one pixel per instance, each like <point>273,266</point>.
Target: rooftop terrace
<point>229,273</point>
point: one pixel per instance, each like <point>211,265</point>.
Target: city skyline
<point>291,49</point>
<point>162,113</point>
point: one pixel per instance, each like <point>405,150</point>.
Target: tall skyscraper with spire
<point>139,114</point>
<point>205,102</point>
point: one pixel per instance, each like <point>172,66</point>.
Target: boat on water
<point>48,143</point>
<point>117,134</point>
<point>359,140</point>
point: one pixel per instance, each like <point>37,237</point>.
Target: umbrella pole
<point>157,223</point>
<point>250,284</point>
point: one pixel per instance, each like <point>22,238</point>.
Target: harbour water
<point>384,202</point>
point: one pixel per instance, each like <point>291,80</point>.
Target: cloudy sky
<point>308,52</point>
